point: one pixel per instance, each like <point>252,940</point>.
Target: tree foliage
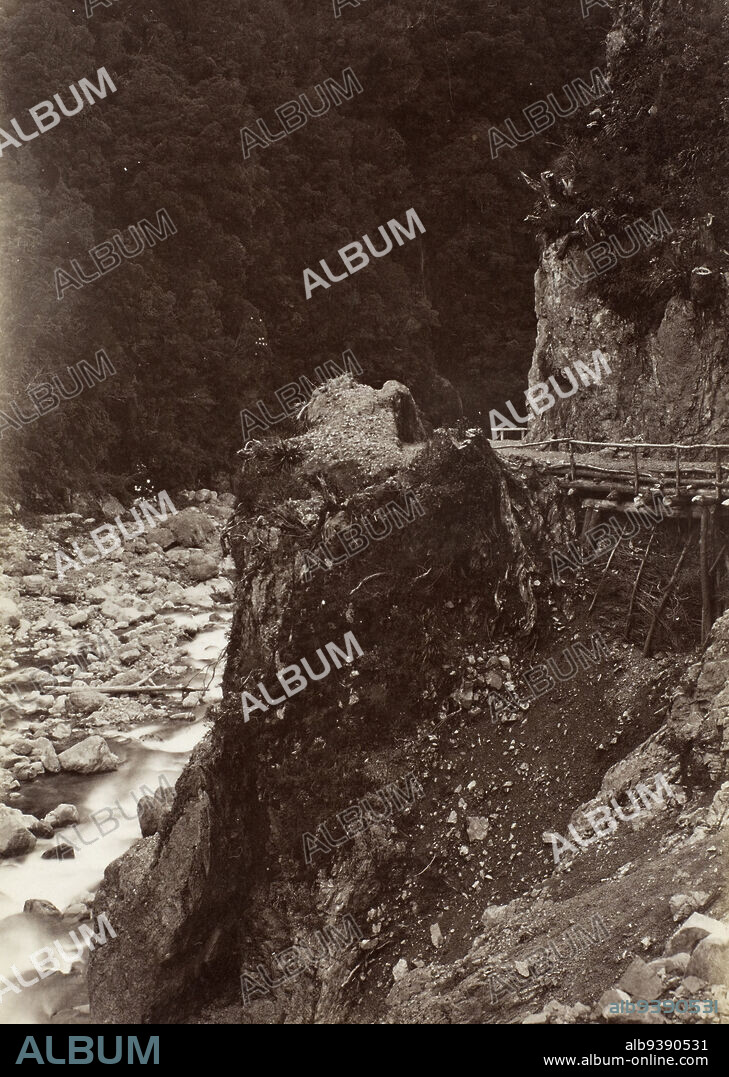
<point>206,322</point>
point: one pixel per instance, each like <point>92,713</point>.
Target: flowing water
<point>108,825</point>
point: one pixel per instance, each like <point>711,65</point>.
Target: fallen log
<point>123,689</point>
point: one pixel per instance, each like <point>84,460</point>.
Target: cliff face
<point>667,384</point>
<point>659,314</point>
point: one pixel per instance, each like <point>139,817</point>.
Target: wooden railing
<point>681,466</point>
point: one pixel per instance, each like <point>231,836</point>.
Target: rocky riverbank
<point>79,648</point>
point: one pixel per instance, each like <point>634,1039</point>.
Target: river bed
<point>108,825</point>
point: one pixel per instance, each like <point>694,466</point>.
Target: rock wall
<point>666,385</point>
<point>659,316</point>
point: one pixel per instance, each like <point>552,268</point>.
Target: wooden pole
<point>718,474</point>
<point>678,471</point>
<point>636,479</point>
<point>573,473</point>
<point>605,570</point>
<point>636,585</point>
<point>717,559</point>
<point>664,599</point>
<point>704,542</point>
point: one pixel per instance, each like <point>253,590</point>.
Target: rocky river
<point>88,758</point>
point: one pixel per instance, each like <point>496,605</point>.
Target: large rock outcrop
<point>224,882</point>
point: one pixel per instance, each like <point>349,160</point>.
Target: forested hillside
<point>215,316</point>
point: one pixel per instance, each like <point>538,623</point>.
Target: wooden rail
<point>681,466</point>
<point>688,487</point>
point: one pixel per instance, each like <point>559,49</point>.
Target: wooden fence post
<point>678,471</point>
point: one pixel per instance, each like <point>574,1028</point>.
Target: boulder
<point>696,928</point>
<point>7,783</point>
<point>100,593</point>
<point>62,815</point>
<point>682,905</point>
<point>89,756</point>
<point>9,612</point>
<point>640,981</point>
<point>20,746</point>
<point>17,565</point>
<point>495,914</point>
<point>714,676</point>
<point>222,590</point>
<point>710,959</point>
<point>81,617</point>
<point>27,771</point>
<point>190,527</point>
<point>41,907</point>
<point>125,616</point>
<point>45,753</point>
<point>76,912</point>
<point>85,701</point>
<point>198,596</point>
<point>111,507</point>
<point>400,970</point>
<point>58,731</point>
<point>34,585</point>
<point>676,963</point>
<point>162,536</point>
<point>129,655</point>
<point>15,838</point>
<point>31,677</point>
<point>202,567</point>
<point>40,828</point>
<point>62,851</point>
<point>64,590</point>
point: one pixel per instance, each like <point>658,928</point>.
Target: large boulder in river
<point>202,567</point>
<point>44,752</point>
<point>89,756</point>
<point>15,838</point>
<point>41,907</point>
<point>85,701</point>
<point>62,815</point>
<point>26,771</point>
<point>189,527</point>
